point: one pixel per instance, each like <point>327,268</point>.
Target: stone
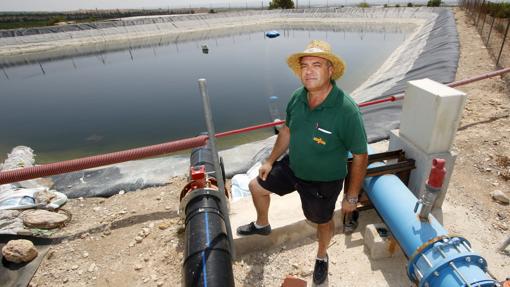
<point>74,267</point>
<point>138,267</point>
<point>92,267</point>
<point>138,239</point>
<point>20,250</point>
<point>500,196</point>
<point>85,254</point>
<point>163,225</point>
<point>51,254</point>
<point>43,219</point>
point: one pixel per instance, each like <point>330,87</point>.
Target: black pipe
<point>208,247</point>
<point>207,258</point>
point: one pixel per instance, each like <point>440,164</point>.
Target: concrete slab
<point>287,220</point>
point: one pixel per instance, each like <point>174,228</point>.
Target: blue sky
<point>59,5</point>
<point>67,5</point>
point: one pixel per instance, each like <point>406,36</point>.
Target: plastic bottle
<point>274,112</point>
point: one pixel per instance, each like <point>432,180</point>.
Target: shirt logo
<point>319,140</point>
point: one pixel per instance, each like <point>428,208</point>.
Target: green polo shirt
<point>320,139</point>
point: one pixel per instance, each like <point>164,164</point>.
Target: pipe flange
<point>197,192</point>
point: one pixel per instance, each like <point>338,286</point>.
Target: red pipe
<point>398,97</point>
<point>164,148</point>
<point>388,99</point>
<point>99,160</point>
<point>478,78</point>
<point>252,128</point>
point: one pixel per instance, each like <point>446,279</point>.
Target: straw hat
<point>321,49</point>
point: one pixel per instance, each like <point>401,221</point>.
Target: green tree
<point>281,4</point>
<point>434,3</point>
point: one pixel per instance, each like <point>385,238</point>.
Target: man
<point>323,124</point>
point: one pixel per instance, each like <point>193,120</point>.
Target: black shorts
<point>318,198</point>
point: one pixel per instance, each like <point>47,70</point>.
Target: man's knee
<point>256,189</point>
<point>326,225</point>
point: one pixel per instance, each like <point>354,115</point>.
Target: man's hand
<point>265,169</point>
<point>348,207</point>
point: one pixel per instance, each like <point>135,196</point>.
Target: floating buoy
<point>205,49</point>
<point>272,34</point>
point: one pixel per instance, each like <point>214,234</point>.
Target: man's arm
<point>356,176</point>
<point>280,146</point>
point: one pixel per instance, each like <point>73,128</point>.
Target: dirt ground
<point>135,239</point>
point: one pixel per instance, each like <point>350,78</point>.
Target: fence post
<point>490,31</point>
<point>483,24</point>
<point>479,13</point>
<point>503,44</point>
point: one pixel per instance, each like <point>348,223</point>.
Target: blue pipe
<point>436,259</point>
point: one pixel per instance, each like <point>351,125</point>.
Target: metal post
<point>480,12</point>
<point>490,31</point>
<point>483,24</point>
<point>503,44</point>
<point>202,84</point>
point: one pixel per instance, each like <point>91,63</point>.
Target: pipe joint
<point>448,261</point>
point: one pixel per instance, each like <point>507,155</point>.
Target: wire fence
<point>493,24</point>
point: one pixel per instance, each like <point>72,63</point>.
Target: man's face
<point>315,72</point>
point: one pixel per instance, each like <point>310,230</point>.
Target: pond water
<point>109,101</point>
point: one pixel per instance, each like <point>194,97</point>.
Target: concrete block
<point>431,114</point>
<point>423,161</point>
<point>380,246</point>
<point>287,220</point>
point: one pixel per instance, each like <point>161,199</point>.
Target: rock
<point>43,219</point>
<point>65,280</point>
<point>138,239</point>
<point>163,225</point>
<point>85,254</point>
<point>500,196</point>
<point>74,267</point>
<point>51,254</point>
<point>19,251</point>
<point>306,273</point>
<point>121,192</point>
<point>138,267</point>
<point>146,231</point>
<point>84,235</point>
<point>92,267</point>
<point>107,232</point>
